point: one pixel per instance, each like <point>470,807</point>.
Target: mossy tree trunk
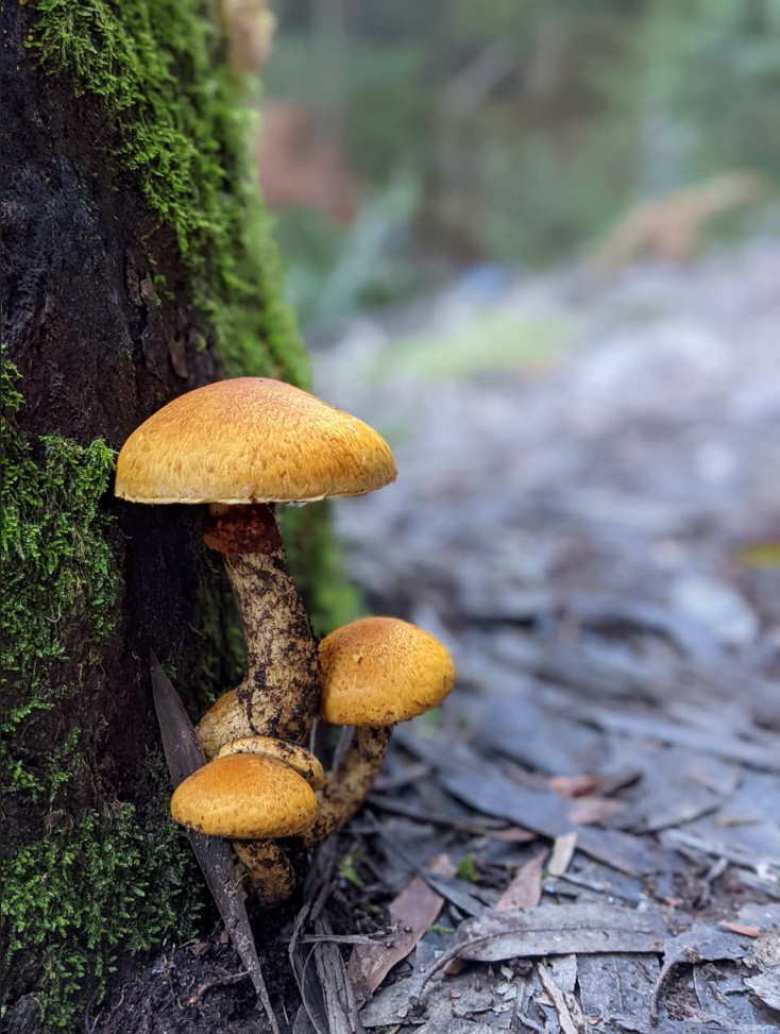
<point>135,264</point>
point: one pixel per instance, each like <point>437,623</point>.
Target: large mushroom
<point>251,798</point>
<point>375,672</point>
<point>242,445</point>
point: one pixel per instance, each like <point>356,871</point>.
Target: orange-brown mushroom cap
<point>245,796</point>
<point>378,671</point>
<point>251,440</point>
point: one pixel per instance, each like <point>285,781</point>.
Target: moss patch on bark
<point>96,882</point>
<point>59,577</point>
<point>157,66</point>
<point>113,882</point>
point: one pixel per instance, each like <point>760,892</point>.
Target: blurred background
<point>536,245</point>
<point>406,144</point>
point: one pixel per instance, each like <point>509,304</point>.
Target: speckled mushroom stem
<point>348,785</point>
<point>280,692</point>
<point>270,870</point>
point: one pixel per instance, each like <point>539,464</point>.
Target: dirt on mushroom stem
<point>271,872</point>
<point>279,695</point>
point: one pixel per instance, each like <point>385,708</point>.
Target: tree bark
<point>114,298</point>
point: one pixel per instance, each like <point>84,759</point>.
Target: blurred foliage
<point>523,129</point>
<point>336,271</point>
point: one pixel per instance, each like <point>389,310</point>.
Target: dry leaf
<point>580,929</point>
<point>589,811</point>
<point>525,890</point>
<point>575,786</point>
<point>513,835</point>
<point>414,911</point>
<point>743,929</point>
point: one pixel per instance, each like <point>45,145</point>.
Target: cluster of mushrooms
<point>241,446</point>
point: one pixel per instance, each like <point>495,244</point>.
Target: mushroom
<point>298,758</point>
<point>243,445</point>
<point>251,799</point>
<point>375,672</point>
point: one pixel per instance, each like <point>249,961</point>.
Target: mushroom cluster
<point>242,446</point>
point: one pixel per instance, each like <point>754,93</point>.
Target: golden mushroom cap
<point>378,671</point>
<point>251,440</point>
<point>244,796</point>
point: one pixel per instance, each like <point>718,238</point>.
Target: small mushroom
<point>250,799</point>
<point>243,445</point>
<point>375,672</point>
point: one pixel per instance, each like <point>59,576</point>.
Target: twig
<point>232,978</point>
<point>558,1000</point>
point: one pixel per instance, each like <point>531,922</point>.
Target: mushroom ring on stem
<point>375,672</point>
<point>251,799</point>
<point>243,445</point>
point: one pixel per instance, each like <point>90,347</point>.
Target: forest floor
<point>587,837</point>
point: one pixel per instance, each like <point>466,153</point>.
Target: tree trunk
<point>135,264</point>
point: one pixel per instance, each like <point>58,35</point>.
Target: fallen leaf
<point>525,889</point>
<point>575,786</point>
<point>740,928</point>
<point>590,811</point>
<point>513,835</point>
<point>558,930</point>
<point>413,911</point>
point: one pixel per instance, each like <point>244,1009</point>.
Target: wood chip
<point>563,851</point>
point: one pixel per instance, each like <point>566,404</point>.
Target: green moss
<point>315,563</point>
<point>58,572</point>
<point>110,881</point>
<point>82,896</point>
<point>183,129</point>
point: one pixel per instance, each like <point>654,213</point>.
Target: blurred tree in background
<point>511,132</point>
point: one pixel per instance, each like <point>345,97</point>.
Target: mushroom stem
<point>348,785</point>
<point>269,869</point>
<point>280,692</point>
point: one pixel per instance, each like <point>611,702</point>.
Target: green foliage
<point>467,869</point>
<point>340,270</point>
<point>183,130</point>
<point>713,67</point>
<point>348,871</point>
<point>58,570</point>
<point>316,564</point>
<point>83,895</point>
<point>528,128</point>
